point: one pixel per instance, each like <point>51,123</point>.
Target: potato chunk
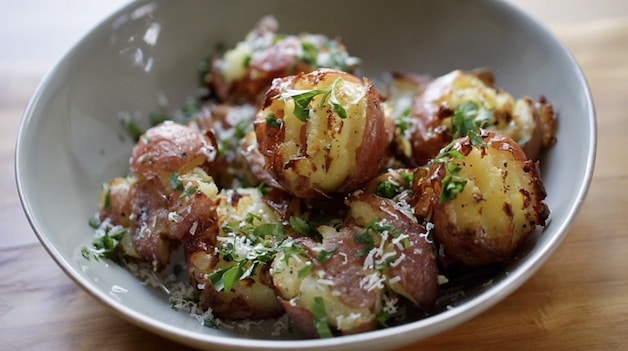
<point>484,200</point>
<point>322,133</point>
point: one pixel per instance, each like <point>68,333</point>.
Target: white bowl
<point>71,139</point>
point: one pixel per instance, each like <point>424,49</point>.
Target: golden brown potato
<point>243,73</point>
<point>228,260</point>
<point>530,124</point>
<point>484,200</point>
<point>322,133</point>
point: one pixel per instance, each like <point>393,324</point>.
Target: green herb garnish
<point>107,200</point>
<point>175,182</point>
<point>302,227</point>
<point>310,53</point>
<point>134,129</point>
<point>468,119</point>
<point>189,191</point>
<point>303,98</point>
<point>273,121</point>
<point>325,255</point>
<point>366,238</point>
<point>104,245</point>
<point>388,189</point>
<point>319,318</point>
<point>453,183</point>
<point>309,266</point>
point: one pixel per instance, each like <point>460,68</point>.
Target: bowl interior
<point>146,55</point>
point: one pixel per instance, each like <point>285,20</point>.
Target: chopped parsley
<point>302,227</point>
<point>453,183</point>
<point>467,121</point>
<point>303,98</point>
<point>247,244</point>
<point>175,182</point>
<point>134,129</point>
<point>105,242</point>
<point>319,318</point>
<point>388,189</point>
<point>324,255</point>
<point>377,228</point>
<point>366,238</point>
<point>189,191</point>
<point>403,122</point>
<point>273,121</point>
<point>310,53</point>
<point>107,200</point>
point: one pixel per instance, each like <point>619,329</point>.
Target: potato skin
<point>501,204</point>
<point>326,154</point>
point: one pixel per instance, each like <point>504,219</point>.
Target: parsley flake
<point>319,318</point>
<point>303,98</point>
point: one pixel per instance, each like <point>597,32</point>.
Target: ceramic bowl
<point>71,139</point>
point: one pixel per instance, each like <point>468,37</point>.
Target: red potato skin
<point>149,208</point>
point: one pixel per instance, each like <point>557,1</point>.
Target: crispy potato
<point>484,202</point>
<point>243,73</point>
<point>233,242</point>
<point>530,124</point>
<point>322,133</point>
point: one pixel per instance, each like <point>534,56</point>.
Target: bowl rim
<point>431,325</point>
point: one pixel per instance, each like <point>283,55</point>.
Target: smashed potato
<point>244,72</point>
<point>321,133</point>
<point>483,199</point>
<point>359,271</point>
<point>530,124</point>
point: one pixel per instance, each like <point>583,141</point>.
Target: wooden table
<point>577,301</point>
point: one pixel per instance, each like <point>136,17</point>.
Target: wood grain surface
<point>578,300</point>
